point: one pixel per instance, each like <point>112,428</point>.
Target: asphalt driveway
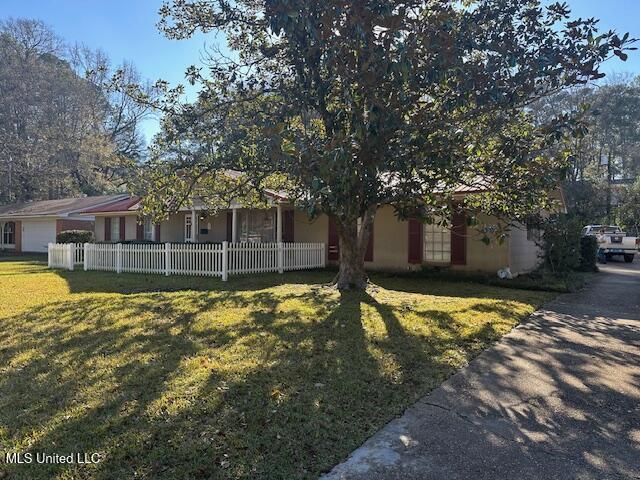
<point>557,398</point>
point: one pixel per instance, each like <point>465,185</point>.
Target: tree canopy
<point>63,132</point>
<point>348,106</point>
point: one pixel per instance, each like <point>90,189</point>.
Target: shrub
<point>588,254</point>
<point>75,236</point>
<point>561,247</point>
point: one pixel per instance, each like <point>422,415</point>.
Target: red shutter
<point>287,220</point>
<point>229,226</point>
<point>459,238</point>
<point>157,234</point>
<point>333,241</point>
<point>140,230</point>
<point>107,229</point>
<point>368,255</point>
<point>123,226</point>
<point>415,241</point>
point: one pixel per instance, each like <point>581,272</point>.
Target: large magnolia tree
<point>350,105</point>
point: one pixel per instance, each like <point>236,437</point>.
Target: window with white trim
<point>257,226</point>
<point>115,229</point>
<point>9,233</point>
<point>437,244</point>
<point>187,227</point>
<point>148,229</point>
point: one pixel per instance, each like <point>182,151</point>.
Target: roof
<point>123,205</point>
<point>60,207</point>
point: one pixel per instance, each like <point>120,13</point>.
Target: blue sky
<point>126,29</point>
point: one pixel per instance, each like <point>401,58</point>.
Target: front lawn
<point>271,376</point>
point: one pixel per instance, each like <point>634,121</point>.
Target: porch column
<point>279,223</point>
<point>194,221</point>
<point>234,225</point>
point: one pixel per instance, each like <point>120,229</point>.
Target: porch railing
<point>219,260</point>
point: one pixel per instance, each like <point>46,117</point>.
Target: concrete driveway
<point>557,398</point>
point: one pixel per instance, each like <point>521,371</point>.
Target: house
<point>395,245</point>
<point>31,226</point>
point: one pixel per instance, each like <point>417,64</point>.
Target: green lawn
<point>272,376</point>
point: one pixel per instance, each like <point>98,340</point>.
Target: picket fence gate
<point>203,259</point>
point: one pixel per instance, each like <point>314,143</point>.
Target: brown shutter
<point>139,230</point>
<point>368,255</point>
<point>157,234</point>
<point>123,226</point>
<point>287,220</point>
<point>415,241</point>
<point>229,225</point>
<point>17,235</point>
<point>333,241</point>
<point>459,238</point>
<point>107,229</point>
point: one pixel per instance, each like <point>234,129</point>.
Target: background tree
<point>628,212</point>
<point>606,155</point>
<point>352,105</point>
<point>61,133</point>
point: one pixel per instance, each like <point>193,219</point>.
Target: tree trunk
<point>353,245</point>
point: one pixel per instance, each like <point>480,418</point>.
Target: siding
<point>99,229</point>
<point>524,253</point>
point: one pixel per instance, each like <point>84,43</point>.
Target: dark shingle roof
<point>63,206</point>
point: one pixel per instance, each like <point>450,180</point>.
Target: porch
<point>197,225</point>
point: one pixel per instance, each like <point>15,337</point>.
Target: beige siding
<point>480,256</point>
<point>390,242</point>
<point>130,227</point>
<point>99,229</point>
<point>172,230</point>
<point>310,231</point>
<point>524,253</point>
<point>217,226</point>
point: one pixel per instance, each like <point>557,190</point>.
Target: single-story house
<point>31,226</point>
<point>395,245</point>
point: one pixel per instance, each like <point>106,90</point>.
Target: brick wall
<point>66,224</point>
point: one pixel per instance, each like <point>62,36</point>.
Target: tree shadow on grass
<point>223,384</point>
<point>126,283</point>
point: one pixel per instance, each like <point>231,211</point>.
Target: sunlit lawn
<point>270,376</point>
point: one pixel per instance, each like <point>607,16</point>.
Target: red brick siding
<point>18,236</point>
<point>63,225</point>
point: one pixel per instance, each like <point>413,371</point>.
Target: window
<point>148,229</point>
<point>533,233</point>
<point>257,226</point>
<point>437,244</point>
<point>187,228</point>
<point>115,229</point>
<point>9,233</point>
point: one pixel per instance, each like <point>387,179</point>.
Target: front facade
<point>30,227</point>
<point>395,245</point>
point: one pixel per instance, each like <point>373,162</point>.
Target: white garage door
<point>37,234</point>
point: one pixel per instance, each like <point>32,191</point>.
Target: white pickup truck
<point>613,241</point>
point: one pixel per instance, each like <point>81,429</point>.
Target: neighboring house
<point>395,244</point>
<point>31,226</point>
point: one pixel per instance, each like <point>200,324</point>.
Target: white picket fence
<point>219,260</point>
<point>66,255</point>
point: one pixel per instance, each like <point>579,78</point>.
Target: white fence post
<point>225,254</point>
<point>86,254</point>
<point>119,258</point>
<point>323,256</point>
<point>50,255</point>
<point>280,258</point>
<point>70,251</point>
<point>167,259</point>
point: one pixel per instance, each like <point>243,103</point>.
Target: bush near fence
<point>74,236</point>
